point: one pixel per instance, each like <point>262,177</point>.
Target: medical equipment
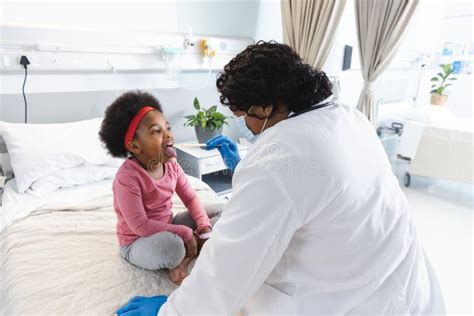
<point>429,141</point>
<point>228,150</point>
<point>59,50</point>
<point>395,128</point>
<point>314,107</point>
<point>442,151</point>
<point>195,145</point>
<point>188,40</point>
<point>208,49</point>
<point>172,59</point>
<point>244,130</point>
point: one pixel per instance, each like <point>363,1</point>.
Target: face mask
<point>245,131</point>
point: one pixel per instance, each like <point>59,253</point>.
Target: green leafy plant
<point>442,80</point>
<point>209,119</point>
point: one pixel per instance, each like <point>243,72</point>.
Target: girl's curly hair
<point>118,117</point>
<point>269,72</point>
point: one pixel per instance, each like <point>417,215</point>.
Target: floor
<point>444,216</point>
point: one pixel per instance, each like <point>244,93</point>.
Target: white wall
<point>435,22</point>
<point>390,85</point>
<point>259,19</point>
<point>218,17</point>
<point>241,18</point>
<point>74,96</point>
<point>350,80</point>
<point>457,26</point>
<point>92,15</point>
<point>269,22</point>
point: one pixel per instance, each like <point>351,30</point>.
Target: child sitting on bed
<point>150,237</point>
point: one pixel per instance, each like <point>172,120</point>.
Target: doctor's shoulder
<point>271,152</point>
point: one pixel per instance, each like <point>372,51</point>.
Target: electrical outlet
<point>35,60</point>
<point>7,61</point>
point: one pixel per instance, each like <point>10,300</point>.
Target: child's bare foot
<point>178,274</point>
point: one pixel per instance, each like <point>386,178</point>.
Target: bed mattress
<point>63,259</point>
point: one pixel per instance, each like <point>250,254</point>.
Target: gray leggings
<point>162,250</point>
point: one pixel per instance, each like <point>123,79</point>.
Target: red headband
<point>132,128</point>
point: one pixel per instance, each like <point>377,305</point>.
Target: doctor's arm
<point>248,241</point>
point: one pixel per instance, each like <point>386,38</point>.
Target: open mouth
<point>169,150</point>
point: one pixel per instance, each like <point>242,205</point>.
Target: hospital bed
<point>434,142</point>
<point>58,249</point>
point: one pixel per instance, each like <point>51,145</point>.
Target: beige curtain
<point>381,25</point>
<point>309,27</point>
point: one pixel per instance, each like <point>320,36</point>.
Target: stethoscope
<point>312,108</point>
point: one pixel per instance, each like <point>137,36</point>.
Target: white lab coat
<point>317,224</point>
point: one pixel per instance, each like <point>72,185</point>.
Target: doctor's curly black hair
<point>269,72</point>
<point>118,117</point>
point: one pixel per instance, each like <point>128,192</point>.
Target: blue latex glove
<point>227,148</point>
<point>143,306</point>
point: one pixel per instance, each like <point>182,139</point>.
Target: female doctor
<point>317,223</point>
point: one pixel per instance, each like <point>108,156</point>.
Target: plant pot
<point>438,99</point>
<point>203,134</point>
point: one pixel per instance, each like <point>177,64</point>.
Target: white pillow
<point>37,150</point>
<point>6,165</point>
<point>73,176</point>
<point>3,148</point>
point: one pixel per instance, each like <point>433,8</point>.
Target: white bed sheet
<point>439,144</point>
<point>60,254</point>
<point>16,206</point>
<point>445,152</point>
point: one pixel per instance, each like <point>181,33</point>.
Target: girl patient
<point>150,237</point>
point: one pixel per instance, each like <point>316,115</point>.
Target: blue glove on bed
<point>143,306</point>
<point>227,148</point>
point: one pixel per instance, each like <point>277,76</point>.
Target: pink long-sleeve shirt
<point>143,204</point>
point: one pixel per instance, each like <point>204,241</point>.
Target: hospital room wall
<point>92,15</point>
<point>351,81</point>
<point>61,97</point>
<point>259,19</point>
<point>440,22</point>
<point>436,22</point>
<point>73,106</point>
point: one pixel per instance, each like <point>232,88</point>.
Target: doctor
<point>317,223</point>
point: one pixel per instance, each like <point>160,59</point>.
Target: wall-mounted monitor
<point>346,62</point>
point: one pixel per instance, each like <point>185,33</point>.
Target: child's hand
<point>200,242</point>
<point>205,230</point>
<point>191,248</point>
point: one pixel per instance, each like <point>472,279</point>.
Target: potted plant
<point>207,122</point>
<point>439,84</point>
